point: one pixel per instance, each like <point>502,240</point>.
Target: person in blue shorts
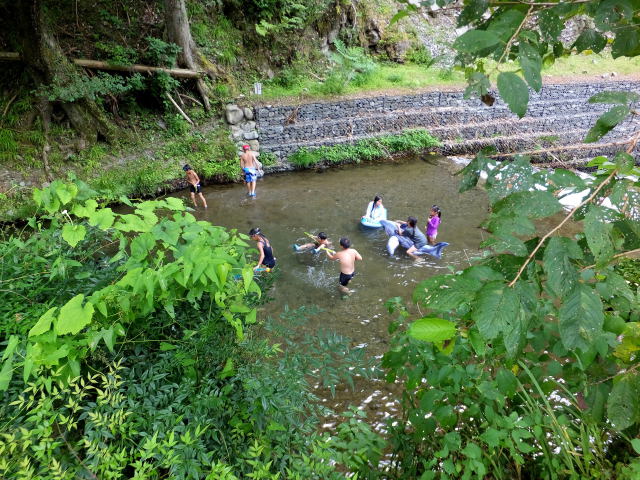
<point>249,167</point>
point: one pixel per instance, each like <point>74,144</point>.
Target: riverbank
<point>151,165</point>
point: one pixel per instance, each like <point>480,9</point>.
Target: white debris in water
<point>362,345</point>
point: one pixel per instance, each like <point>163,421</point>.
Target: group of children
<point>347,257</point>
<point>251,169</point>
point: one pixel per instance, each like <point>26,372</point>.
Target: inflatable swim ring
<point>369,223</point>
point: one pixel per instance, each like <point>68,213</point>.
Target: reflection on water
<point>333,200</point>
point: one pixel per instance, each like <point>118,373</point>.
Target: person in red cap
<point>249,167</point>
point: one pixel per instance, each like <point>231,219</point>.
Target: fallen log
<point>101,65</point>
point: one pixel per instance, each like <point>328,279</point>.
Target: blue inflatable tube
<point>370,223</point>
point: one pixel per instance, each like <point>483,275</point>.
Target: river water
<point>333,200</point>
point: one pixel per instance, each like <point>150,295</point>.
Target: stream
<point>333,200</point>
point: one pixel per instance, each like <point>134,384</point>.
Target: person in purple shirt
<point>432,224</point>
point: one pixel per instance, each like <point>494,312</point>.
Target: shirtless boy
<point>194,185</point>
<point>319,241</point>
<point>347,258</point>
<point>250,169</point>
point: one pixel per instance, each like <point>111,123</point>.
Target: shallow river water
<point>333,200</point>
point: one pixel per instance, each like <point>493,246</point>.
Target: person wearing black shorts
<point>194,185</point>
<point>347,258</point>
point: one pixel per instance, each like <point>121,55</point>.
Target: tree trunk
<point>179,32</point>
<point>47,64</point>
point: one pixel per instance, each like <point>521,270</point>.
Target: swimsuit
<point>250,174</point>
<point>268,260</point>
<point>196,189</point>
<point>345,278</point>
<point>432,226</point>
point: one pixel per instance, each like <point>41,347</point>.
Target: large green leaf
<point>431,329</point>
<point>44,323</point>
<point>562,274</point>
<point>102,218</point>
<point>73,234</point>
<point>74,316</point>
<point>531,64</point>
<point>514,92</point>
<point>581,318</point>
<point>475,40</point>
<point>590,39</point>
<point>626,43</point>
<point>473,9</point>
<point>597,230</point>
<point>550,24</point>
<point>535,204</point>
<point>496,306</point>
<point>505,24</point>
<point>623,407</point>
<point>606,122</point>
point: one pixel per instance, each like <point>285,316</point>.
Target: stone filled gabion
<point>557,117</point>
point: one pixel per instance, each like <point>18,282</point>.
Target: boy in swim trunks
<point>347,258</point>
<point>321,240</point>
<point>194,185</point>
<point>250,169</point>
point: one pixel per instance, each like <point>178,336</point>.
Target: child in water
<point>347,258</point>
<point>375,210</point>
<point>266,258</point>
<point>319,241</point>
<point>433,223</point>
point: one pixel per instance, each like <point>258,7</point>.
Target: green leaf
<point>73,234</point>
<point>73,316</point>
<point>247,276</point>
<point>606,122</point>
<point>590,39</point>
<point>11,346</point>
<point>531,64</point>
<point>611,12</point>
<point>626,43</point>
<point>65,192</point>
<point>399,16</point>
<point>496,307</point>
<point>624,162</point>
<point>597,230</point>
<point>431,329</point>
<point>228,370</point>
<point>505,24</point>
<point>562,274</point>
<point>43,324</point>
<point>623,98</point>
<point>6,373</point>
<point>622,406</point>
<point>474,41</point>
<point>473,9</point>
<point>635,443</point>
<point>102,218</point>
<point>514,92</point>
<point>550,24</point>
<point>507,382</point>
<point>580,318</point>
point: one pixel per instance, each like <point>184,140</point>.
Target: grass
<point>409,77</point>
<point>415,140</point>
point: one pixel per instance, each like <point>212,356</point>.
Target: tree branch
<point>566,219</point>
<point>179,109</point>
<point>622,254</point>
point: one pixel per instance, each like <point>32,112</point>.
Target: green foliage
<point>117,54</point>
<point>415,141</point>
<point>140,353</point>
<point>530,352</point>
<point>92,88</point>
<point>420,55</point>
<point>267,159</point>
<point>162,53</point>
